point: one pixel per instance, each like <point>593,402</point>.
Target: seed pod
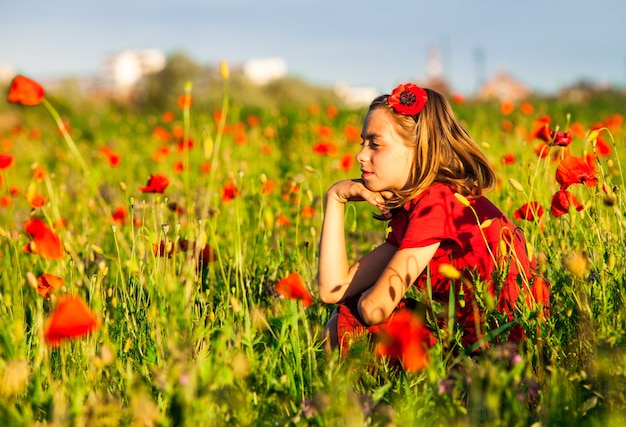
<point>449,271</point>
<point>224,72</point>
<point>516,185</point>
<point>462,199</point>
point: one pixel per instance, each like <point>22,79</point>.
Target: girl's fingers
<point>386,195</point>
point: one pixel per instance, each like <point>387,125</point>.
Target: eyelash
<point>372,145</point>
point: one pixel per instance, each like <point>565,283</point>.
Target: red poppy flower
<point>408,99</point>
<point>39,173</point>
<point>293,287</point>
<point>541,129</point>
<point>405,339</point>
<point>577,129</point>
<point>25,91</point>
<point>185,101</point>
<point>529,211</point>
<point>507,107</point>
<point>527,108</point>
<point>540,290</point>
<point>307,212</point>
<point>161,153</point>
<point>241,138</point>
<point>205,167</point>
<point>346,162</point>
<point>268,186</point>
<point>327,148</point>
<point>600,145</point>
<point>324,132</point>
<point>34,133</point>
<point>561,202</point>
<point>45,242</point>
<point>542,149</point>
<point>156,184</point>
<point>602,148</point>
<point>352,133</point>
<point>112,157</point>
<point>508,159</point>
<point>5,201</point>
<point>5,160</point>
<point>253,120</point>
<point>560,138</point>
<point>229,192</point>
<point>168,117</point>
<point>282,221</point>
<point>506,125</point>
<point>120,214</point>
<point>332,111</point>
<point>35,200</point>
<point>217,115</point>
<point>184,144</point>
<point>575,170</point>
<point>47,284</point>
<point>614,122</point>
<point>72,318</point>
<point>179,167</point>
<point>161,133</point>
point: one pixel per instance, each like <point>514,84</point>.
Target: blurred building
<point>502,87</point>
<point>435,78</point>
<point>356,96</point>
<point>264,70</point>
<point>6,73</point>
<point>122,72</point>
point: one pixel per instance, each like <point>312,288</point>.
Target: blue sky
<point>545,44</point>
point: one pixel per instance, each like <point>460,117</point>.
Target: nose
<point>361,155</point>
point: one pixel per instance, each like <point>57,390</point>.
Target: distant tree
<point>160,90</point>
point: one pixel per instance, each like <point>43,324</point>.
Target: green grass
<point>216,345</point>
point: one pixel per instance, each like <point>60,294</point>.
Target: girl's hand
<point>353,190</point>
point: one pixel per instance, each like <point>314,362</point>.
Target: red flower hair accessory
<point>408,99</point>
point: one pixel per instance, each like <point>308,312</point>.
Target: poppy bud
<point>486,223</point>
<point>224,69</point>
<point>449,271</point>
<point>516,185</point>
<point>462,199</point>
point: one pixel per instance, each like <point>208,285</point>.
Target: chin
<point>371,187</point>
<point>375,188</point>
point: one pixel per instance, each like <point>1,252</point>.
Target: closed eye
<point>372,145</point>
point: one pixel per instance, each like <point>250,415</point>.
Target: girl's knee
<point>330,332</point>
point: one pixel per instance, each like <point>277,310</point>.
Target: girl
<point>415,156</point>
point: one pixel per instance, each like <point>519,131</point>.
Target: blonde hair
<point>444,151</point>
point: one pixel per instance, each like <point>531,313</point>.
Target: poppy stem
<point>66,135</point>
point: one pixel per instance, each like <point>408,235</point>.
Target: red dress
<point>437,216</point>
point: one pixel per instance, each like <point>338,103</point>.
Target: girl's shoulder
<point>431,194</point>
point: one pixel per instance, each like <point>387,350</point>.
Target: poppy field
<point>159,269</point>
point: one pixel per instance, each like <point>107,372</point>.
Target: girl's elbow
<point>328,296</point>
<point>370,312</point>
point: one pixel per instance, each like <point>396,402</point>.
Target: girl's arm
<point>337,279</point>
<point>378,302</point>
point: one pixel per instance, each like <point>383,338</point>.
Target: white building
<point>356,96</point>
<point>264,70</point>
<point>122,71</point>
<point>6,73</point>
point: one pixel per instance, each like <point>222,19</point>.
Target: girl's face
<point>385,159</point>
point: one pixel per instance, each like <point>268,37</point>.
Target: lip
<point>365,174</point>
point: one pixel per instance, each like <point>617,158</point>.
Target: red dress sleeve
<point>434,216</point>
